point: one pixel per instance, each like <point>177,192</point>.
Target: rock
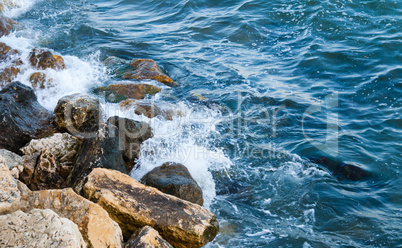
<point>39,80</point>
<point>24,190</point>
<point>78,115</point>
<point>22,118</point>
<point>29,168</point>
<point>175,179</point>
<point>9,193</point>
<point>133,205</point>
<point>12,159</point>
<point>120,92</point>
<point>8,75</point>
<point>6,25</point>
<point>147,237</point>
<point>6,52</point>
<point>94,223</point>
<point>131,134</point>
<point>42,59</point>
<point>148,69</point>
<point>38,228</point>
<point>62,145</point>
<point>46,174</point>
<point>101,151</point>
<point>151,109</point>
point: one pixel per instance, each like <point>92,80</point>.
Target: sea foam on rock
<point>133,205</point>
<point>22,118</point>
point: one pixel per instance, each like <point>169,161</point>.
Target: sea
<point>274,99</point>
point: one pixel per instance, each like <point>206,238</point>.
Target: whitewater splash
<point>185,139</point>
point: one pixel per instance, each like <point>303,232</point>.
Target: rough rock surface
<point>63,145</point>
<point>120,92</point>
<point>38,228</point>
<point>147,237</point>
<point>133,205</point>
<point>148,69</point>
<point>94,223</point>
<point>46,173</point>
<point>6,25</point>
<point>78,114</point>
<point>9,193</point>
<point>40,80</point>
<point>175,179</point>
<point>6,52</point>
<point>101,151</point>
<point>131,134</point>
<point>22,118</point>
<point>12,159</point>
<point>42,59</point>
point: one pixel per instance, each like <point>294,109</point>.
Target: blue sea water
<point>265,85</point>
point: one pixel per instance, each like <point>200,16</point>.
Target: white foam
<point>14,8</point>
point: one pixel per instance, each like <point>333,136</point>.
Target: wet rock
<point>78,114</point>
<point>133,205</point>
<point>9,193</point>
<point>151,109</point>
<point>6,52</point>
<point>175,179</point>
<point>120,92</point>
<point>22,118</point>
<point>147,237</point>
<point>101,151</point>
<point>131,134</point>
<point>342,170</point>
<point>8,75</point>
<point>63,145</point>
<point>6,25</point>
<point>38,228</point>
<point>39,80</point>
<point>46,174</point>
<point>148,69</point>
<point>42,59</point>
<point>94,223</point>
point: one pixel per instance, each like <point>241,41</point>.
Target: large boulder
<point>62,145</point>
<point>147,69</point>
<point>133,205</point>
<point>120,92</point>
<point>22,118</point>
<point>175,179</point>
<point>94,223</point>
<point>147,237</point>
<point>6,25</point>
<point>78,114</point>
<point>9,192</point>
<point>42,59</point>
<point>131,134</point>
<point>101,151</point>
<point>38,228</point>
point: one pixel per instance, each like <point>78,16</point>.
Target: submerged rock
<point>39,228</point>
<point>133,205</point>
<point>147,237</point>
<point>175,179</point>
<point>9,193</point>
<point>94,223</point>
<point>22,118</point>
<point>120,92</point>
<point>8,75</point>
<point>6,25</point>
<point>101,151</point>
<point>151,109</point>
<point>131,134</point>
<point>78,114</point>
<point>148,69</point>
<point>6,52</point>
<point>40,80</point>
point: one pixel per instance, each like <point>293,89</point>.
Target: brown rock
<point>8,75</point>
<point>131,134</point>
<point>148,69</point>
<point>6,51</point>
<point>6,25</point>
<point>94,223</point>
<point>175,179</point>
<point>47,173</point>
<point>120,92</point>
<point>39,80</point>
<point>29,168</point>
<point>42,59</point>
<point>39,228</point>
<point>147,237</point>
<point>78,114</point>
<point>133,205</point>
<point>9,193</point>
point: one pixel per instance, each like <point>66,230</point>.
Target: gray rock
<point>39,228</point>
<point>12,159</point>
<point>9,192</point>
<point>175,179</point>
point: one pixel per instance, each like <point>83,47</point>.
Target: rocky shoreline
<point>64,174</point>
